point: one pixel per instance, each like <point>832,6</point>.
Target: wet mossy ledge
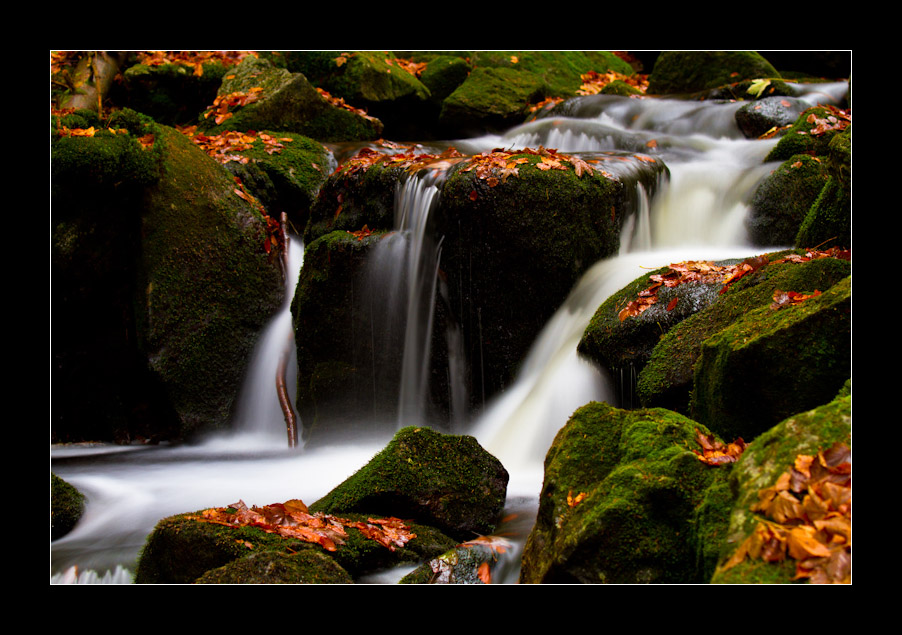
<point>446,489</point>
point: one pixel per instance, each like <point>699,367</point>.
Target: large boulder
<point>445,481</point>
<point>164,276</point>
<point>67,505</point>
<point>626,500</point>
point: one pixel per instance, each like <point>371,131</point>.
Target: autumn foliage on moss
<point>807,518</point>
<point>292,519</point>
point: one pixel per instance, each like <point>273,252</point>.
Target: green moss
<point>799,355</point>
<point>67,505</point>
<point>799,140</point>
<point>646,504</point>
<point>304,567</point>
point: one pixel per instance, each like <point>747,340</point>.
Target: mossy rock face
<point>491,100</point>
<point>666,380</point>
<point>443,74</point>
<point>829,219</point>
<point>67,505</point>
<point>287,102</point>
<point>678,72</point>
<point>445,481</point>
<point>533,236</point>
<point>762,463</point>
<point>205,285</point>
<point>347,370</point>
<point>625,500</point>
<point>772,363</point>
<point>782,201</point>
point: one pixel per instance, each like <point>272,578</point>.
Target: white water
<point>698,215</point>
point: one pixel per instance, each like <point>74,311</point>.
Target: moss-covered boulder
<point>256,95</point>
<point>781,202</point>
<point>761,465</point>
<point>811,133</point>
<point>446,481</point>
<point>513,248</point>
<point>626,500</point>
<point>774,361</point>
<point>666,380</point>
<point>184,549</point>
<point>348,369</point>
<point>67,505</point>
<point>680,72</point>
<point>373,81</point>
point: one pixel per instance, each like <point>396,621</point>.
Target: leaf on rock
<point>716,452</point>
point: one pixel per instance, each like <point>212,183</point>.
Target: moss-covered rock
<point>677,72</point>
<point>762,463</point>
<point>533,235</point>
<point>286,101</point>
<point>773,362</point>
<point>183,549</point>
<point>446,481</point>
<point>347,371</point>
<point>781,202</point>
<point>806,135</point>
<point>830,217</point>
<point>67,505</point>
<point>625,500</point>
<point>666,380</point>
<point>206,284</point>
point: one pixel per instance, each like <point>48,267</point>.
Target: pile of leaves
<point>710,273</point>
<point>224,146</point>
<point>838,119</point>
<point>594,82</point>
<point>396,155</point>
<point>223,105</point>
<point>716,452</point>
<point>808,519</point>
<point>292,519</point>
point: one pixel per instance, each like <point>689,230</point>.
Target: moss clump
<point>445,481</point>
<point>799,138</point>
<point>67,505</point>
<point>305,567</point>
<point>621,501</point>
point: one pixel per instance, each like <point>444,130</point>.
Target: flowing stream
<point>697,214</point>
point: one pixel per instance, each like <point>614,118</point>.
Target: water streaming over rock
<point>697,213</point>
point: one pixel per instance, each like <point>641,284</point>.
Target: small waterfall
<point>258,415</point>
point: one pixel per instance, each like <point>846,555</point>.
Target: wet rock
<point>67,505</point>
<point>677,72</point>
<point>762,115</point>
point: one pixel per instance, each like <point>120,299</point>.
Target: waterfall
<point>696,213</point>
<point>258,416</point>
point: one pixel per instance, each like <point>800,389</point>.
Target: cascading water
<point>696,214</point>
